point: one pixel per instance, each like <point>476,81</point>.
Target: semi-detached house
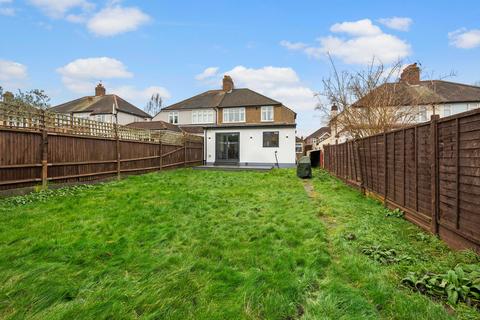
<point>240,126</point>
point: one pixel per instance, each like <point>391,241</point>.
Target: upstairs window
<point>233,115</point>
<point>202,116</point>
<point>173,117</point>
<point>267,113</point>
<point>447,110</point>
<point>422,114</point>
<point>472,106</point>
<point>270,139</point>
<point>100,118</point>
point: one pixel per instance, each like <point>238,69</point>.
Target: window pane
<point>270,139</point>
<point>194,117</point>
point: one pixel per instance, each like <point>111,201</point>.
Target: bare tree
<point>368,101</point>
<point>35,98</point>
<point>154,105</point>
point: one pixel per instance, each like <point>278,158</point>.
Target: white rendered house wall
<point>251,146</point>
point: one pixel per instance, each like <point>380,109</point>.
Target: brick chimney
<point>227,83</point>
<point>411,74</point>
<point>334,111</point>
<point>100,90</point>
<point>8,96</point>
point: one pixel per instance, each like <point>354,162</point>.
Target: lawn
<point>190,244</point>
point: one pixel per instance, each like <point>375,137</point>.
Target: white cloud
<point>115,20</point>
<point>207,73</point>
<point>11,72</point>
<point>58,8</point>
<point>465,39</point>
<point>397,23</point>
<point>7,12</point>
<point>363,27</point>
<point>293,45</point>
<point>279,83</point>
<point>81,75</point>
<point>366,41</point>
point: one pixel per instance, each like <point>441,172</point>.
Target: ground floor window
<point>298,148</point>
<point>270,139</point>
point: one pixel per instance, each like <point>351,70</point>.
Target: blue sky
<point>181,48</point>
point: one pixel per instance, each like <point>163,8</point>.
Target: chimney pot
<point>411,74</point>
<point>100,90</point>
<point>227,83</point>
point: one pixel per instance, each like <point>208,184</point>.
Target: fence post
<point>184,150</point>
<point>357,152</point>
<point>160,155</point>
<point>385,169</point>
<point>44,151</point>
<point>457,173</point>
<point>434,171</point>
<point>117,149</point>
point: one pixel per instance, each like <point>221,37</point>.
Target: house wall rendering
<point>251,149</point>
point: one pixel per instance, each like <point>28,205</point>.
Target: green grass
<point>189,244</point>
<point>356,287</point>
<point>182,244</point>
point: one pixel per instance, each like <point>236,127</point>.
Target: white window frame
<point>445,108</point>
<point>202,116</point>
<point>267,114</point>
<point>229,115</point>
<point>173,117</point>
<point>422,114</point>
<point>472,106</point>
<point>100,118</point>
<point>299,144</point>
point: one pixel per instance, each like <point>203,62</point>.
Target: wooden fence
<point>37,147</point>
<point>431,171</point>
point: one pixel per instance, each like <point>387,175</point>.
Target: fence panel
<point>37,147</point>
<point>431,171</point>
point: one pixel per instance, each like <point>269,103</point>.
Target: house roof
<point>154,125</point>
<point>424,93</point>
<point>221,99</point>
<point>99,105</point>
<point>319,133</point>
<point>192,129</point>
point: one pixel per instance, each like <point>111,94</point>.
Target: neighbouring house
<point>240,126</point>
<point>159,125</point>
<point>318,139</point>
<point>101,107</point>
<point>424,97</point>
<point>155,125</point>
<point>299,147</point>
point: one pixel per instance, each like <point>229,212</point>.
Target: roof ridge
<point>455,83</point>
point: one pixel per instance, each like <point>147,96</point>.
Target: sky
<point>182,48</point>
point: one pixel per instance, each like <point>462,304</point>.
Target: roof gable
<point>320,132</point>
